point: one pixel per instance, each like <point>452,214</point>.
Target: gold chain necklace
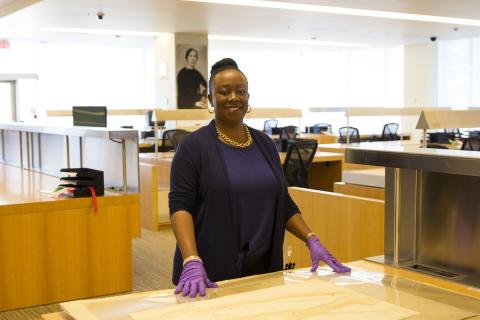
<point>235,143</point>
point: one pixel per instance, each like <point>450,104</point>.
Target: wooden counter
<point>429,297</point>
<point>59,249</point>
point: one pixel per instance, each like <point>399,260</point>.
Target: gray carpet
<point>152,269</point>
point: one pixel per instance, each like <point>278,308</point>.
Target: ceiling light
<point>289,41</point>
<point>104,32</point>
<point>345,11</point>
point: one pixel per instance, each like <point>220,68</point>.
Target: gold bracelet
<point>309,235</point>
<point>190,258</point>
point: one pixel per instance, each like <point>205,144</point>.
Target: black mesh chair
<point>288,132</point>
<point>453,132</point>
<point>178,136</point>
<point>268,125</point>
<point>168,143</point>
<point>321,127</point>
<point>472,144</point>
<point>298,161</point>
<point>351,131</point>
<point>389,132</point>
<point>439,137</point>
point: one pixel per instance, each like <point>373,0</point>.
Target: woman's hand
<point>194,280</point>
<point>319,253</point>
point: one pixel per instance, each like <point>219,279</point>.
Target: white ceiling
<point>181,16</point>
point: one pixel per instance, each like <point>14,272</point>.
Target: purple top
<point>252,179</point>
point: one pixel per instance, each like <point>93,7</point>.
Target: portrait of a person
<point>191,85</point>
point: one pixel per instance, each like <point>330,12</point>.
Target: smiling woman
<point>229,202</point>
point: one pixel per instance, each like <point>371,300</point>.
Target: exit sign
<point>4,44</point>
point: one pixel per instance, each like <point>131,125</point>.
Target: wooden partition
<point>154,196</point>
<point>352,228</point>
<point>359,190</point>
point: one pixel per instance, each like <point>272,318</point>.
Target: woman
<point>229,202</point>
<point>191,84</point>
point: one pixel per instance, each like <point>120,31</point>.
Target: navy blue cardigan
<point>199,184</point>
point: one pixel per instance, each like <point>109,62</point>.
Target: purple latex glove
<point>194,280</point>
<point>319,252</point>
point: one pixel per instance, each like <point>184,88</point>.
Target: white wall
<point>80,74</point>
<point>310,77</point>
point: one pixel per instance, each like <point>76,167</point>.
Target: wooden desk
<point>431,298</point>
<point>58,249</point>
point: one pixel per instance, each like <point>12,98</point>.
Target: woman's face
<point>229,96</point>
<point>192,58</point>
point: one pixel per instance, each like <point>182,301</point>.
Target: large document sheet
<point>308,300</point>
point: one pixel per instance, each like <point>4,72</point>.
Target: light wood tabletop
<point>320,156</point>
<point>429,297</point>
<point>33,189</point>
<point>340,147</point>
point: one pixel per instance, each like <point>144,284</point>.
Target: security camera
<point>100,15</point>
<point>433,39</point>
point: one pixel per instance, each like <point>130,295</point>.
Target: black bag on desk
<point>82,180</point>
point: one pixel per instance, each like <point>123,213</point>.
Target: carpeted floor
<point>152,269</point>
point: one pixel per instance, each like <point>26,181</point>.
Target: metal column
<point>124,163</point>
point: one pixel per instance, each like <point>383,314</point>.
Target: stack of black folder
<point>81,179</point>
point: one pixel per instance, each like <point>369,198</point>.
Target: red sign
<point>4,44</point>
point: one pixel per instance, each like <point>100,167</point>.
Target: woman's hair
<point>221,65</point>
<point>188,52</point>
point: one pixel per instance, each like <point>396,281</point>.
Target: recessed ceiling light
<point>345,11</point>
<point>289,41</point>
<point>104,31</point>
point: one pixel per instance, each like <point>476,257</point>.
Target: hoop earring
<point>249,109</point>
<point>210,110</point>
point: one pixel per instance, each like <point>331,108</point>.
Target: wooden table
<point>59,249</point>
<point>431,298</point>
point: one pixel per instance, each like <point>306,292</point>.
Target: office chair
<point>298,161</point>
<point>389,132</point>
<point>474,133</point>
<point>168,144</point>
<point>453,132</point>
<point>288,132</point>
<point>268,125</point>
<point>472,144</point>
<point>438,137</point>
<point>351,131</point>
<point>321,127</point>
<point>178,136</point>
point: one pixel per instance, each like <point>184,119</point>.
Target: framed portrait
<point>191,67</point>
